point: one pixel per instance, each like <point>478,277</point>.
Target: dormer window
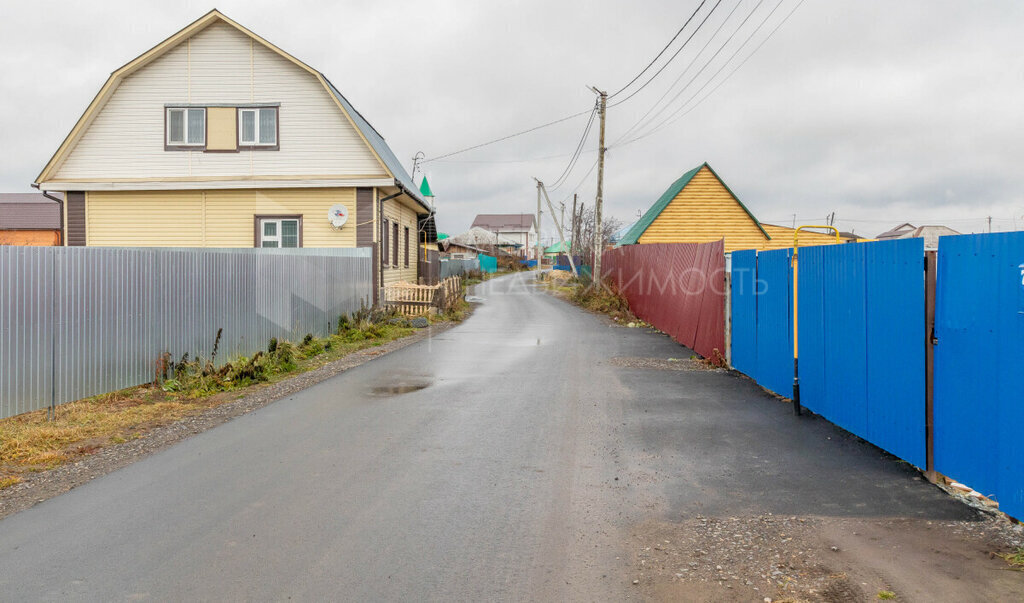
<point>186,127</point>
<point>257,127</point>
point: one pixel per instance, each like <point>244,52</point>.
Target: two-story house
<point>518,228</point>
<point>217,138</point>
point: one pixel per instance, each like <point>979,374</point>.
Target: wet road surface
<point>504,459</point>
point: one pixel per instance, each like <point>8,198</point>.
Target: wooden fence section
<point>418,300</point>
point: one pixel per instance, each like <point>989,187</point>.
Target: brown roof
<point>897,232</point>
<point>505,222</point>
<point>28,211</point>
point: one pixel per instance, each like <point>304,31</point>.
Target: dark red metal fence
<point>677,287</point>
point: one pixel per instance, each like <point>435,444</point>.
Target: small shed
<point>29,219</point>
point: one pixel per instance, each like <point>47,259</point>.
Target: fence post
<point>728,319</point>
<point>930,265</point>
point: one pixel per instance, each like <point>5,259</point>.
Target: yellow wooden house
<point>699,208</point>
<point>217,138</point>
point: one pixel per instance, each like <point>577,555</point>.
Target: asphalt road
<point>504,459</point>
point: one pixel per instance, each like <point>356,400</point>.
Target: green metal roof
<point>632,236</point>
<point>557,247</point>
<point>425,188</point>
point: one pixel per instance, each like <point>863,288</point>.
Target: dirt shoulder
<point>766,557</point>
<point>37,487</point>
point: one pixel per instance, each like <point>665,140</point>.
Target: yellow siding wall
<point>144,219</point>
<point>221,128</point>
<point>217,218</point>
<point>396,211</point>
<point>702,212</point>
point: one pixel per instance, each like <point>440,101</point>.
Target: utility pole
<point>990,224</point>
<point>558,226</point>
<point>572,235</point>
<point>539,251</point>
<point>598,203</point>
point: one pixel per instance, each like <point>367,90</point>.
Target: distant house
<point>458,251</point>
<point>29,219</point>
<point>930,234</point>
<point>699,208</point>
<point>217,138</point>
<point>477,240</point>
<point>897,232</point>
<point>520,228</point>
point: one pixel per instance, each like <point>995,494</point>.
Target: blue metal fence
<point>979,365</point>
<point>487,263</point>
<point>861,335</point>
<point>774,368</point>
<point>743,292</point>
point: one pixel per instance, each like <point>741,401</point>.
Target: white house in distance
<point>519,228</point>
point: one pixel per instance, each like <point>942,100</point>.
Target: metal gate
<point>979,365</point>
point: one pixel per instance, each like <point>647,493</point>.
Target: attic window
<point>186,127</point>
<point>257,127</point>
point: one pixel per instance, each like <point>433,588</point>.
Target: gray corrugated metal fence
<point>76,322</point>
<point>450,267</point>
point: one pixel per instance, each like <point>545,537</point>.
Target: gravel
<point>663,364</point>
<point>790,558</point>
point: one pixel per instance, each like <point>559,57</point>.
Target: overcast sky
<point>880,111</point>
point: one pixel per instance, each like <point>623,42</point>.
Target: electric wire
<point>672,58</point>
<point>576,155</point>
<point>679,77</point>
<point>720,83</point>
<point>638,126</point>
<point>655,59</point>
<point>504,138</point>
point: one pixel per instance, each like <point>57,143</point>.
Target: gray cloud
<point>880,111</point>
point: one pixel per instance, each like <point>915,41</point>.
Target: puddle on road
<point>399,387</point>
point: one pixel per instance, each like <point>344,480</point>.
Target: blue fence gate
<point>979,365</point>
<point>861,333</point>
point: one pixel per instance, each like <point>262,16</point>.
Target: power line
<point>706,65</point>
<point>655,59</point>
<point>725,79</point>
<point>582,180</point>
<point>576,155</point>
<point>681,74</point>
<point>530,160</point>
<point>503,138</point>
<point>672,58</point>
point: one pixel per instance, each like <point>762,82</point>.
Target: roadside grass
<point>31,443</point>
<point>603,300</point>
<point>1014,559</point>
<point>475,277</point>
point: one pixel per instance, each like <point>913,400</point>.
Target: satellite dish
<point>337,215</point>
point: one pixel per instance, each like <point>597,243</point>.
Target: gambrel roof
<point>369,135</point>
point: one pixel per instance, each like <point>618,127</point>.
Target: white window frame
<point>279,222</point>
<point>184,142</point>
<point>256,126</point>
